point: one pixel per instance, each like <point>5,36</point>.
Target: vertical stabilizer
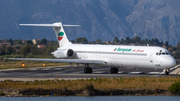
<point>58,29</point>
<point>61,35</point>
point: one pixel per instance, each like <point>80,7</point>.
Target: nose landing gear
<point>166,71</point>
<point>114,70</point>
<point>87,69</point>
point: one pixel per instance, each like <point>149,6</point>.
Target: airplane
<point>114,56</point>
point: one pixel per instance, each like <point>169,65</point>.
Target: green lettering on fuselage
<point>122,49</point>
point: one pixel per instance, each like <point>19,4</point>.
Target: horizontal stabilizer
<point>41,25</point>
<point>49,25</point>
<point>66,26</point>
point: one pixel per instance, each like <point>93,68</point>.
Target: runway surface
<point>75,72</point>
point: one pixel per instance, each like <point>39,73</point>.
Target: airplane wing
<point>61,60</point>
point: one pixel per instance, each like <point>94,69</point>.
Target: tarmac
<point>73,72</point>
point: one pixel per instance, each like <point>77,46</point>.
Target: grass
<point>9,64</point>
<point>134,83</point>
<point>28,64</point>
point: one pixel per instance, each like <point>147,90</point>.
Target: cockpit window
<point>162,53</point>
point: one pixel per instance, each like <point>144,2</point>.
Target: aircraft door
<point>151,57</point>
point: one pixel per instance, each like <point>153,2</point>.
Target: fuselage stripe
<point>117,53</point>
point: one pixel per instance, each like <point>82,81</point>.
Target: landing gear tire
<point>166,73</point>
<point>85,70</point>
<point>88,70</point>
<point>114,70</point>
<point>111,70</point>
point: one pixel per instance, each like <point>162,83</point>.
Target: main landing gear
<point>114,70</point>
<point>87,69</point>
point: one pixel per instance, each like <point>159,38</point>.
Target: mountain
<point>99,19</point>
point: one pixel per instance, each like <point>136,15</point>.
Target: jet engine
<point>63,53</point>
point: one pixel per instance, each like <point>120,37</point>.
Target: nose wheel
<point>87,69</point>
<point>114,70</point>
<point>166,71</point>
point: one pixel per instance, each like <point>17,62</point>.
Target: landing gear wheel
<point>90,70</point>
<point>167,73</point>
<point>87,69</point>
<point>114,70</point>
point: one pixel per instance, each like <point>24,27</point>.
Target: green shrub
<point>175,88</point>
<point>27,82</point>
<point>2,94</point>
<point>1,58</point>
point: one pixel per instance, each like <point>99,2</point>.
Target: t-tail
<point>58,29</point>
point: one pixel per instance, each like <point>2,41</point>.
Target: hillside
<point>99,19</point>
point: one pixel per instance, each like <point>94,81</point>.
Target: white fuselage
<point>124,56</point>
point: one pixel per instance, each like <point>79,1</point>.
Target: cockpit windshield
<point>162,53</point>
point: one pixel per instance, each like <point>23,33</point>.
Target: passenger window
<point>159,53</point>
<point>163,53</point>
<point>167,53</point>
<point>156,53</point>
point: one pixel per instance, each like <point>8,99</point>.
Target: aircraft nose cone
<point>168,62</point>
<point>171,62</point>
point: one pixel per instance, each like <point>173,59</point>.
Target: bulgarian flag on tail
<point>60,36</point>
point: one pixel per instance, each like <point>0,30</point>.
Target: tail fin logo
<point>60,36</point>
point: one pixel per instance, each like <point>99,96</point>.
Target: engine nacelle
<point>63,53</point>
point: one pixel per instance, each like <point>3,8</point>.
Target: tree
<point>3,50</point>
<point>34,50</point>
<point>116,40</point>
<point>10,50</point>
<point>44,41</point>
<point>17,47</point>
<point>167,44</point>
<point>82,40</point>
<point>122,41</point>
<point>137,39</point>
<point>19,41</point>
<point>72,41</point>
<point>49,50</point>
<point>98,41</point>
<point>29,42</point>
<point>78,40</point>
<point>161,43</point>
<point>25,50</point>
<point>178,45</point>
<point>10,40</point>
<point>128,40</point>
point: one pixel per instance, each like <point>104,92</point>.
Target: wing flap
<point>62,60</point>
